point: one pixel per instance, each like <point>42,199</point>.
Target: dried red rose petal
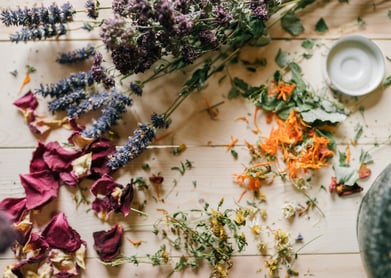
<point>27,101</point>
<point>60,235</point>
<point>37,162</point>
<point>36,248</point>
<point>108,243</point>
<point>14,207</point>
<point>111,196</point>
<point>57,158</point>
<point>40,188</point>
<point>100,149</point>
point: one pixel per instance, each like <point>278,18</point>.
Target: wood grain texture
<point>334,250</point>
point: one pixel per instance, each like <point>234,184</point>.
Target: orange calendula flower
<point>253,177</point>
<point>282,89</point>
<point>300,145</point>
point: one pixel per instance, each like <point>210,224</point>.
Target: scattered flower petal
<point>40,188</point>
<point>60,235</point>
<point>108,243</point>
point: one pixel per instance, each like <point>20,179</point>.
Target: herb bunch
<point>150,37</point>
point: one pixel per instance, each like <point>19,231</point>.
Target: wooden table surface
<point>332,249</point>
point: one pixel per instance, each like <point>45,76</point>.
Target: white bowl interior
<point>355,65</point>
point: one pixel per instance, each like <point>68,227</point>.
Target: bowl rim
<point>373,48</point>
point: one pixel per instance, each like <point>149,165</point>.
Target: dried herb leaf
<point>387,81</point>
<point>282,58</point>
<point>308,44</point>
<point>291,23</point>
<point>321,26</point>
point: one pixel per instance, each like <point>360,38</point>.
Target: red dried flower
<point>111,196</point>
<point>40,188</point>
<point>60,235</point>
<point>108,243</point>
<point>14,207</point>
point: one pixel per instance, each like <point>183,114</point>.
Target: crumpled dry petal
<point>40,188</point>
<point>67,264</point>
<point>111,196</point>
<point>108,243</point>
<point>27,102</point>
<point>59,234</point>
<point>57,158</point>
<point>14,207</point>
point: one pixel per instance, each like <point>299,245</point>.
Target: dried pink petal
<point>111,196</point>
<point>108,243</point>
<point>36,248</point>
<point>100,149</point>
<point>37,162</point>
<point>57,158</point>
<point>59,234</point>
<point>40,188</point>
<point>27,101</point>
<point>14,207</point>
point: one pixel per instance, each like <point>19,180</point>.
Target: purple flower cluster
<point>110,114</point>
<point>77,55</point>
<point>99,74</point>
<point>260,9</point>
<point>136,144</point>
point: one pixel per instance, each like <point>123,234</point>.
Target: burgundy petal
<point>37,242</point>
<point>14,207</point>
<point>108,243</point>
<point>69,178</point>
<point>60,235</point>
<point>40,188</point>
<point>100,149</point>
<point>57,158</point>
<point>103,186</point>
<point>127,198</point>
<point>37,162</point>
<point>27,101</point>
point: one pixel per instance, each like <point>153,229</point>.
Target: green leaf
<point>365,157</point>
<point>304,3</point>
<point>387,81</point>
<point>282,58</point>
<point>389,14</point>
<point>308,44</point>
<point>321,26</point>
<point>319,115</point>
<point>346,175</point>
<point>343,1</point>
<point>360,22</point>
<point>291,23</point>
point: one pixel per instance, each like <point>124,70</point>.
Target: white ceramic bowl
<point>354,65</point>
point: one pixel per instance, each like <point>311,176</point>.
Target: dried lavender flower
<point>38,16</point>
<point>136,144</point>
<point>91,103</point>
<point>73,82</point>
<point>110,115</point>
<point>76,56</point>
<point>66,101</point>
<point>92,8</point>
<point>38,32</point>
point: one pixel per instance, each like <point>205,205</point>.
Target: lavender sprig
<point>38,16</point>
<point>136,144</point>
<point>110,115</point>
<point>92,8</point>
<point>38,32</point>
<point>66,101</point>
<point>76,56</point>
<point>91,103</point>
<point>73,82</point>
